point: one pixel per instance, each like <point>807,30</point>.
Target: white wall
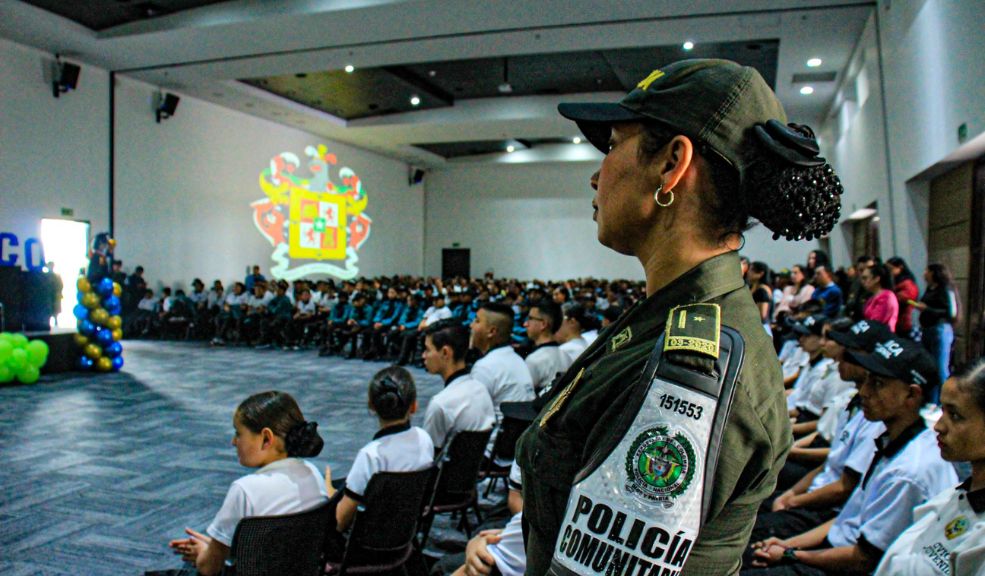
<point>934,82</point>
<point>184,189</point>
<point>535,221</point>
<point>53,152</point>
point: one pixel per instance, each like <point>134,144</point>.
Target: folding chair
<point>277,545</point>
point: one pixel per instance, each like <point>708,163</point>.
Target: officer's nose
<point>595,180</point>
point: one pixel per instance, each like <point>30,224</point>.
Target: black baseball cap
<point>811,326</point>
<point>902,359</point>
<point>862,335</point>
<point>714,102</point>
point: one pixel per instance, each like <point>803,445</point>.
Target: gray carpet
<point>100,471</point>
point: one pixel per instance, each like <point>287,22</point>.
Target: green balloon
<point>5,349</point>
<point>28,375</point>
<point>6,374</point>
<point>17,360</point>
<point>37,353</point>
<point>19,340</point>
<point>6,336</point>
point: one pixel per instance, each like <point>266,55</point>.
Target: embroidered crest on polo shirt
<point>956,527</point>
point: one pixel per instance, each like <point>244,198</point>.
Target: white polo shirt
<point>432,315</point>
<point>835,415</point>
<point>795,359</point>
<point>881,507</point>
<point>544,364</point>
<point>308,307</point>
<point>400,448</point>
<point>463,405</point>
<point>282,487</point>
<point>505,376</point>
<point>822,389</point>
<point>807,379</point>
<point>947,537</point>
<point>509,553</point>
<point>573,348</point>
<point>590,336</point>
<point>853,447</point>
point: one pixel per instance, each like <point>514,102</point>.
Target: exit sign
<point>68,212</point>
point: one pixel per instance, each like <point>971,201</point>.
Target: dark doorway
<point>976,272</point>
<point>456,262</point>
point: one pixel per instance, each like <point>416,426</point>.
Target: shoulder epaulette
<point>694,328</point>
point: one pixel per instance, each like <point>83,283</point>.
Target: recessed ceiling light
<point>432,73</point>
<point>414,100</point>
<point>688,45</point>
<point>510,148</point>
<point>576,140</point>
<point>814,62</point>
<point>807,90</point>
<point>350,68</point>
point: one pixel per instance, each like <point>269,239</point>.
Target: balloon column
<point>98,312</point>
<point>21,358</point>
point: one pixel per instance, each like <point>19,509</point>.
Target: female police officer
<point>652,453</point>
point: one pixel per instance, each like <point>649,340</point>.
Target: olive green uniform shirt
<point>757,434</point>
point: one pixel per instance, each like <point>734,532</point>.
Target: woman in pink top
<point>882,306</point>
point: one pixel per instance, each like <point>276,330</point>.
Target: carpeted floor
<point>100,471</point>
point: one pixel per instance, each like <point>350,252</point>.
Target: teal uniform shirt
<point>590,397</point>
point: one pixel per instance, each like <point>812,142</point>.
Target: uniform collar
<point>495,348</point>
<point>544,345</point>
<point>456,376</point>
<point>395,429</point>
<point>886,448</point>
<point>976,499</point>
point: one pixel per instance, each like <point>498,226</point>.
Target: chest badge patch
<point>956,527</point>
<point>660,466</point>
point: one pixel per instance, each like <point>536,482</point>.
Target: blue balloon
<point>105,287</point>
<point>111,302</point>
<point>80,311</point>
<point>104,336</point>
<point>88,328</point>
<point>115,311</point>
<point>85,363</point>
<point>117,363</point>
<point>114,349</point>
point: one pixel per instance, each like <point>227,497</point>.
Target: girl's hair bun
<point>791,190</point>
<point>303,440</point>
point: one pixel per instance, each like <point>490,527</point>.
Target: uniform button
<point>537,454</point>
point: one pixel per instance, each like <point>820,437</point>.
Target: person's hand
<point>768,552</point>
<point>783,501</point>
<point>478,560</point>
<point>919,305</point>
<point>328,481</point>
<point>189,548</point>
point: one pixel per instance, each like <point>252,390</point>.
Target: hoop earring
<point>656,197</point>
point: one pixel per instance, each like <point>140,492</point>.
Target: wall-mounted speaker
<point>65,78</point>
<point>166,105</point>
<point>415,176</point>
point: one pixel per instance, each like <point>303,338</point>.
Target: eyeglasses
<point>532,317</point>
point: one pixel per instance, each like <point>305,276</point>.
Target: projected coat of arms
<point>316,226</point>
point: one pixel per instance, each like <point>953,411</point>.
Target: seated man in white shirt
<point>906,471</point>
<point>408,340</point>
<point>464,404</point>
<point>500,369</point>
<point>546,360</point>
<point>569,334</point>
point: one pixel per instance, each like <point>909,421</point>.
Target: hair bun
<point>791,190</point>
<point>304,441</point>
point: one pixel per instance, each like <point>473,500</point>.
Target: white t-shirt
<point>573,348</point>
<point>509,552</point>
<point>463,405</point>
<point>947,537</point>
<point>433,315</point>
<point>148,304</point>
<point>505,376</point>
<point>544,364</point>
<point>881,507</point>
<point>308,307</point>
<point>282,487</point>
<point>400,448</point>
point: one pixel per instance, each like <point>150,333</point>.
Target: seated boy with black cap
<point>906,471</point>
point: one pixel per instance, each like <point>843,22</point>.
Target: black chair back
<point>460,465</point>
<point>510,430</point>
<point>277,545</point>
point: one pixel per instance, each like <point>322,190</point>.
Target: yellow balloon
<point>117,335</point>
<point>114,323</point>
<point>117,289</point>
<point>104,364</point>
<point>81,340</point>
<point>93,351</point>
<point>83,285</point>
<point>99,316</point>
<point>90,300</point>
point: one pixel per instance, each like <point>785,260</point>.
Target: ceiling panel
<point>102,14</point>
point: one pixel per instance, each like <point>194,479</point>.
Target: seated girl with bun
<point>396,447</point>
<point>273,436</point>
